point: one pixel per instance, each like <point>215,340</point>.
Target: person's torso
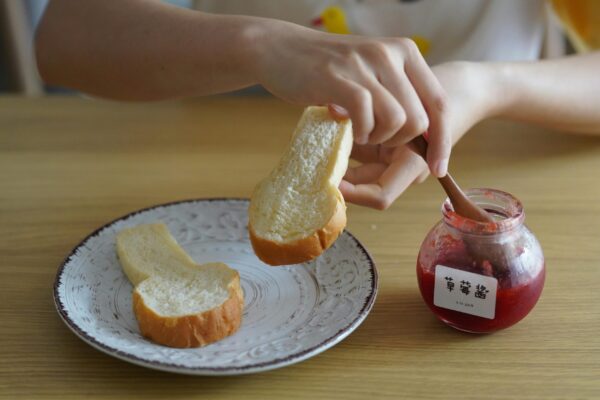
<point>445,30</point>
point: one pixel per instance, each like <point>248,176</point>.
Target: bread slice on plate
<point>178,303</point>
<point>297,212</point>
<point>191,309</point>
<point>150,249</point>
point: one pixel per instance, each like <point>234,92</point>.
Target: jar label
<point>465,292</point>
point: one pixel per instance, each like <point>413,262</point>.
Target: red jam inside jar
<point>481,277</point>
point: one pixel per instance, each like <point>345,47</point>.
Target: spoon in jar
<point>460,201</point>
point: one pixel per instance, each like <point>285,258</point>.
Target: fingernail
<point>441,168</point>
<point>361,140</point>
<point>337,111</point>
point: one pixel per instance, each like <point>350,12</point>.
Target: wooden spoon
<point>462,204</point>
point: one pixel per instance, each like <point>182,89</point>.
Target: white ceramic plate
<point>291,313</point>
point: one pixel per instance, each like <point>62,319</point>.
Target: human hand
<point>384,85</point>
<point>386,172</point>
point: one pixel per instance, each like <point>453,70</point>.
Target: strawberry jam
<point>481,277</point>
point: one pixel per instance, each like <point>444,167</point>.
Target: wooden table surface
<point>69,165</point>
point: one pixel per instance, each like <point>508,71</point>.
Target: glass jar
<point>480,277</point>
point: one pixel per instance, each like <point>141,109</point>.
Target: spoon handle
<point>419,146</point>
<point>461,203</point>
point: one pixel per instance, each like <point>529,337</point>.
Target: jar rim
<point>495,201</point>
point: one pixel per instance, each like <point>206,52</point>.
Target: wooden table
<point>69,165</point>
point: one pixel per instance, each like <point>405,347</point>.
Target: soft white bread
<point>190,310</point>
<point>178,303</point>
<point>150,249</point>
<point>297,212</point>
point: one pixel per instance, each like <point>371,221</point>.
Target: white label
<point>464,291</point>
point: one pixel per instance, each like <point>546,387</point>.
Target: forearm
<point>143,50</point>
<point>561,94</point>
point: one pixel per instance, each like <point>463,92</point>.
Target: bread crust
<point>194,330</point>
<point>285,251</point>
<point>304,249</point>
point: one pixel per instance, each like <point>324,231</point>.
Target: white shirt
<point>472,30</point>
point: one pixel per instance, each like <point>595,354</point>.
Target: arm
<point>561,94</point>
<point>148,50</point>
<point>141,50</point>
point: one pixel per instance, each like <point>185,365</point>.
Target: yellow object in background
<point>333,20</point>
<point>581,21</point>
<point>423,44</point>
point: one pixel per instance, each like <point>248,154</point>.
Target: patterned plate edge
<point>177,368</point>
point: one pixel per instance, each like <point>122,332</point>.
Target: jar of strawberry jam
<point>480,277</point>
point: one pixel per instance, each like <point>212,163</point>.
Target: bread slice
<point>150,249</point>
<point>297,212</point>
<point>191,309</point>
<point>178,303</point>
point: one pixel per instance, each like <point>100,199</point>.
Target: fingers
<point>381,193</point>
<point>440,146</point>
<point>380,59</point>
<point>390,116</point>
<point>376,115</point>
<point>369,153</point>
<point>368,195</point>
<point>423,176</point>
<point>351,97</point>
<point>417,121</point>
<point>365,173</point>
<point>388,90</point>
<point>434,100</point>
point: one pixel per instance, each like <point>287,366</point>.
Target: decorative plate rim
<point>178,368</point>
